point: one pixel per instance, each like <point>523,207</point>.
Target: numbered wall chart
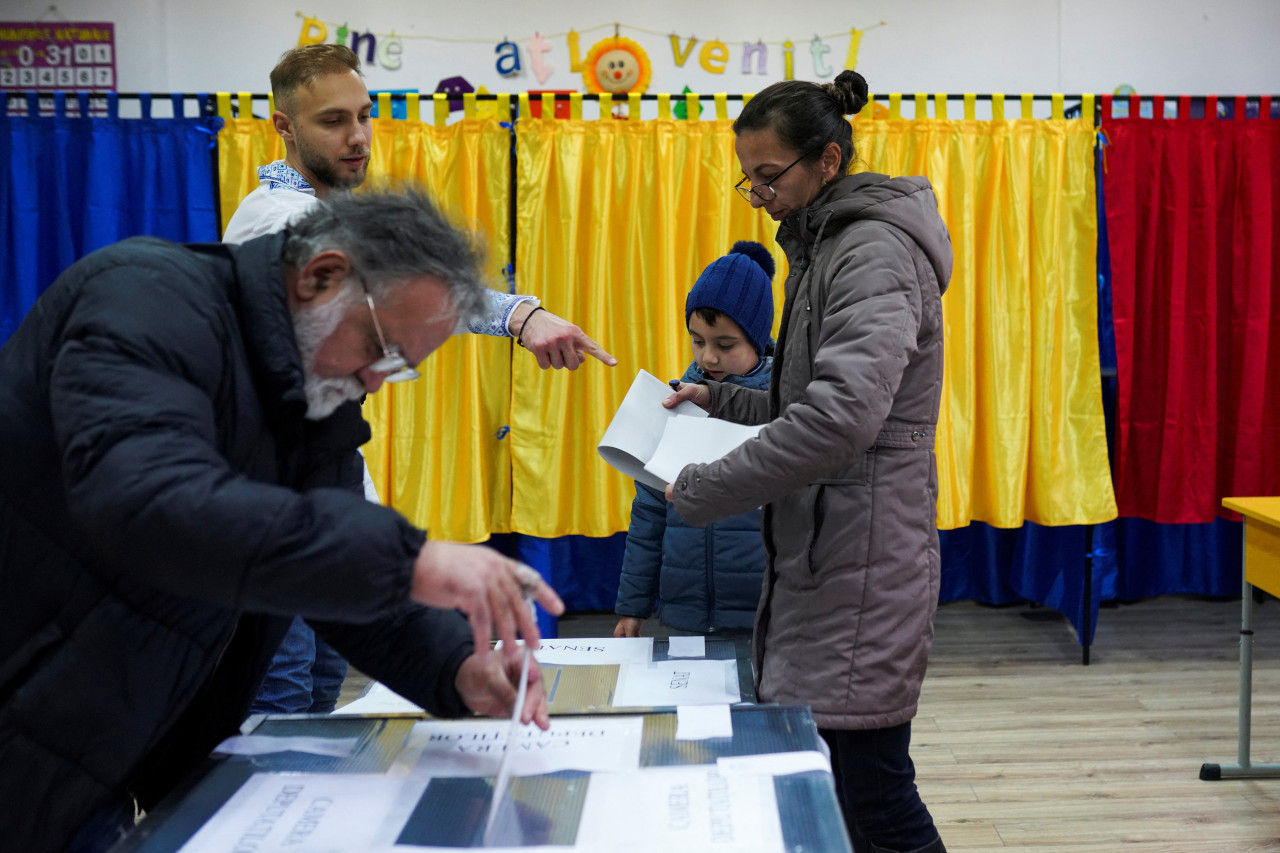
<point>57,55</point>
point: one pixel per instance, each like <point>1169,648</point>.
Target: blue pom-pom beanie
<point>740,286</point>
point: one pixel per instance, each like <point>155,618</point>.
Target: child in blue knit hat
<point>706,580</point>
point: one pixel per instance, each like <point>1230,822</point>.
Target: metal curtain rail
<point>591,96</point>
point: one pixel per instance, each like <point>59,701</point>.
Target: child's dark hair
<point>710,316</point>
<point>808,116</point>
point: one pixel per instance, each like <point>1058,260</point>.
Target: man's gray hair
<point>391,237</point>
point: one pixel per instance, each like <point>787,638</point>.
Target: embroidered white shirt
<point>283,195</point>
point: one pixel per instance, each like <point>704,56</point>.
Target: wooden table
<point>1261,570</point>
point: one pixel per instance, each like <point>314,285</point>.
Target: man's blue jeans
<point>305,677</point>
<point>876,786</point>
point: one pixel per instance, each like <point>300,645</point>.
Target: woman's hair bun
<point>849,91</point>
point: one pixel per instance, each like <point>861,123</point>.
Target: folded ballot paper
<point>651,443</point>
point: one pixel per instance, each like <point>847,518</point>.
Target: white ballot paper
<point>333,747</point>
<point>379,699</point>
<point>687,809</point>
<point>309,811</point>
<point>686,647</point>
<point>475,747</point>
<point>637,427</point>
<point>687,441</point>
<point>677,682</point>
<point>699,722</point>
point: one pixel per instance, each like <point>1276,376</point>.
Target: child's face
<point>721,348</point>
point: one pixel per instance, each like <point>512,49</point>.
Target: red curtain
<point>1192,210</point>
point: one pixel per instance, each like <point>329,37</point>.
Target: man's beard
<point>326,171</point>
<point>311,328</point>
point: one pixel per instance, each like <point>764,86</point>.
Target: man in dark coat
<point>178,434</point>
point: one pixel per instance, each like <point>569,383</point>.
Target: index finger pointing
<point>594,350</point>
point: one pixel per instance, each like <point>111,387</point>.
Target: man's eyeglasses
<point>393,362</point>
<point>764,191</point>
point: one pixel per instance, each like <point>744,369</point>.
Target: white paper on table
<point>688,441</point>
<point>686,809</point>
<point>427,848</point>
<point>686,647</point>
<point>379,699</point>
<point>334,747</point>
<point>699,722</point>
<point>457,748</point>
<point>774,763</point>
<point>594,650</point>
<point>677,682</point>
<point>309,811</point>
<point>637,427</point>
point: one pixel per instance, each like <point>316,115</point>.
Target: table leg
<point>1243,768</point>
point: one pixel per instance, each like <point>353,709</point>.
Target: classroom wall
<point>1043,46</point>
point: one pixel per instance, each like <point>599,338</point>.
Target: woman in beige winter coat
<point>844,467</point>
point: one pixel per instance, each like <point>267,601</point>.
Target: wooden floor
<point>1019,747</point>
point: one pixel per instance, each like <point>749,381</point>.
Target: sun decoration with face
<point>616,65</point>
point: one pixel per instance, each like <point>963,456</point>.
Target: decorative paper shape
<point>616,65</point>
<point>537,47</point>
<point>680,110</point>
<point>455,88</point>
<point>485,109</point>
<point>819,49</point>
<point>575,59</point>
<point>313,32</point>
<point>508,62</point>
<point>713,56</point>
<point>855,39</point>
<point>681,55</point>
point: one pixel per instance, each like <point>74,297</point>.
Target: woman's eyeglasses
<point>764,191</point>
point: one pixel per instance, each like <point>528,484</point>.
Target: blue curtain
<point>75,184</point>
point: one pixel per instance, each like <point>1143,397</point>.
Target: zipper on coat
<point>817,526</point>
<point>708,546</point>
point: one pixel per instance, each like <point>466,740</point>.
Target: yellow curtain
<point>615,219</point>
<point>439,452</point>
<point>244,144</point>
<point>1021,434</point>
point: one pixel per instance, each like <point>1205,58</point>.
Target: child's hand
<point>628,626</point>
<point>700,395</point>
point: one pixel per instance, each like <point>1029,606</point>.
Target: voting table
<point>608,775</point>
<point>1261,570</point>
